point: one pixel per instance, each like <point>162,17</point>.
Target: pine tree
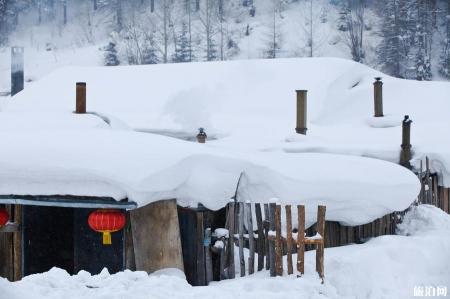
<point>423,41</point>
<point>395,53</point>
<point>110,58</point>
<point>149,52</point>
<point>444,68</point>
<point>182,51</point>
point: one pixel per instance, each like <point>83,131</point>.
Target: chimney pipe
<point>405,154</point>
<point>17,75</point>
<point>201,136</point>
<point>301,111</point>
<point>80,98</point>
<point>378,97</point>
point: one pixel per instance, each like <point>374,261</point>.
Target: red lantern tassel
<point>107,238</point>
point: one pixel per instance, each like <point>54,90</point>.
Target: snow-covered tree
<point>149,55</point>
<point>355,28</point>
<point>444,67</point>
<point>182,50</point>
<point>274,34</point>
<point>423,40</point>
<point>110,58</point>
<point>397,32</point>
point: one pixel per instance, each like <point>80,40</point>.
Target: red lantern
<point>4,216</point>
<point>106,222</point>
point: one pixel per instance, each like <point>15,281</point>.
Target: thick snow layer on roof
<point>248,110</point>
<point>251,105</point>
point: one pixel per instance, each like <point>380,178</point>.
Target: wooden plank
<point>301,240</point>
<point>7,254</point>
<point>320,247</point>
<point>266,225</point>
<point>17,243</point>
<point>446,203</point>
<point>208,259</point>
<point>272,207</point>
<point>342,235</point>
<point>251,239</point>
<point>261,239</point>
<point>201,266</point>
<point>156,236</point>
<point>278,243</point>
<point>130,263</point>
<point>241,239</point>
<point>290,269</point>
<point>231,225</point>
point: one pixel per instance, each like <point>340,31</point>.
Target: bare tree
<point>355,33</point>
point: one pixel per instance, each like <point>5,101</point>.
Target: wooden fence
<point>431,193</point>
<point>267,244</point>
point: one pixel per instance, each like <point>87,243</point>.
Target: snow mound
<point>423,220</point>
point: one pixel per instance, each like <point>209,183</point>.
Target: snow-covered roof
<point>248,110</point>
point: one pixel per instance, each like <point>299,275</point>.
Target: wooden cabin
<point>53,231</point>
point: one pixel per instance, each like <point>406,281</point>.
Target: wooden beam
<point>241,239</point>
<point>272,207</point>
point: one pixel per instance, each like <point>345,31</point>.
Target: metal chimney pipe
<point>201,136</point>
<point>405,154</point>
<point>378,97</point>
<point>17,74</point>
<point>301,111</point>
<point>80,107</point>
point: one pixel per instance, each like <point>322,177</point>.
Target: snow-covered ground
<point>383,268</point>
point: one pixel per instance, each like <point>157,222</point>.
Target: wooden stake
<point>301,240</point>
<point>208,259</point>
<point>231,212</point>
<point>289,239</point>
<point>278,243</point>
<point>251,239</point>
<point>272,208</point>
<point>266,225</point>
<point>261,239</point>
<point>241,239</point>
<point>320,248</point>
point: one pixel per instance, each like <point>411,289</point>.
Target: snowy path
<point>385,267</point>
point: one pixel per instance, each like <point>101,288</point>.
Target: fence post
<point>301,240</point>
<point>290,270</point>
<point>231,217</point>
<point>17,72</point>
<point>278,243</point>
<point>251,239</point>
<point>266,225</point>
<point>261,239</point>
<point>320,247</point>
<point>241,239</point>
<point>272,207</point>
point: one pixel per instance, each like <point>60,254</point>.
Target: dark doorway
<point>48,239</point>
<point>61,237</point>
